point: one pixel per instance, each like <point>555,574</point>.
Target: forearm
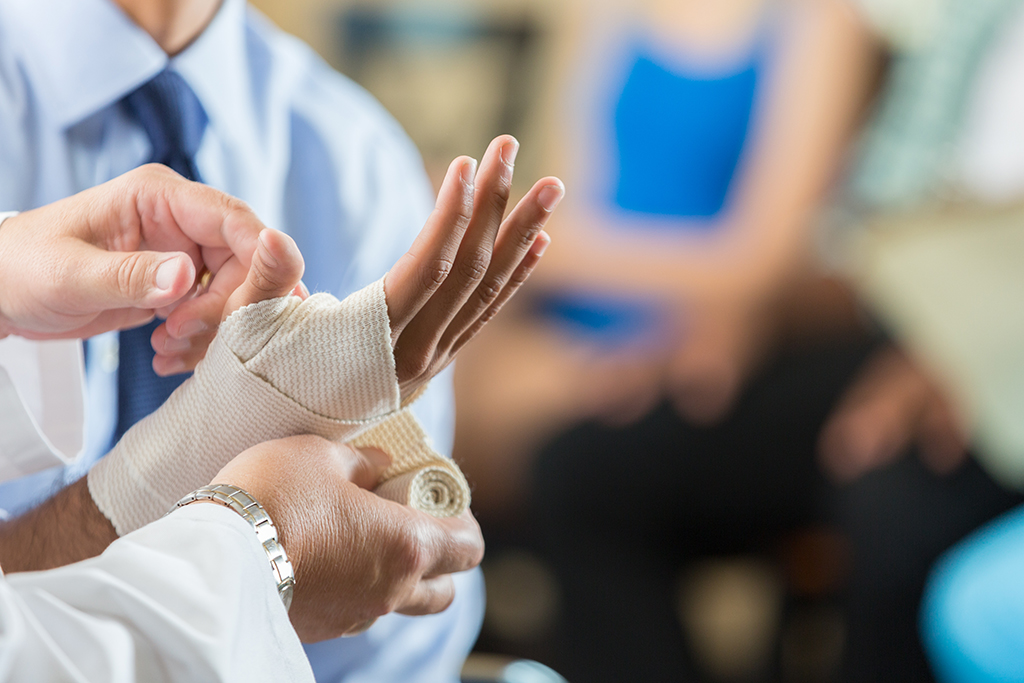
<point>66,528</point>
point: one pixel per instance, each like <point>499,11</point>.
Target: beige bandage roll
<point>277,368</point>
<point>419,477</point>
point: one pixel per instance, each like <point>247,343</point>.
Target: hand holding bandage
<point>281,366</point>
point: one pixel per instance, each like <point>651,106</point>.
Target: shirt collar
<point>80,55</point>
<point>85,55</point>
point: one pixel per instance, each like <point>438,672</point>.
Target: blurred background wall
<point>454,73</point>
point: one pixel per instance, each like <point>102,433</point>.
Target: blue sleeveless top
<point>676,138</point>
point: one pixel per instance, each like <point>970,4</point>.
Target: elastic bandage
<point>279,368</point>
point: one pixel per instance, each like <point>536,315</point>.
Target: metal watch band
<point>251,511</point>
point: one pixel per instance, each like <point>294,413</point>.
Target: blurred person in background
<point>683,310</point>
<point>911,439</point>
<point>718,127</point>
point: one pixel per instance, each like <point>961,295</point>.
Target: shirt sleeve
<point>190,597</point>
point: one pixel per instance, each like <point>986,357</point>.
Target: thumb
<point>275,271</point>
<point>106,280</point>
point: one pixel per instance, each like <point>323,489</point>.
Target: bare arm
<point>66,528</point>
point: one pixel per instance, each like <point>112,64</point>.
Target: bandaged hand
<point>280,366</point>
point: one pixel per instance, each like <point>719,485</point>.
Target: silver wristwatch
<point>252,512</point>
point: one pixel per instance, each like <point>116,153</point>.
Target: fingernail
<point>550,196</point>
<point>191,328</point>
<point>541,244</point>
<point>167,273</point>
<point>509,151</point>
<point>265,254</point>
<point>172,345</point>
<point>469,172</point>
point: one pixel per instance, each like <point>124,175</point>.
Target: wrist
<point>246,506</point>
<point>277,500</point>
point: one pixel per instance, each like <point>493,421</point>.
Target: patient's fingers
<point>174,356</point>
<point>417,354</point>
<point>276,271</point>
<point>473,261</point>
<point>419,273</point>
<point>515,241</point>
<point>518,278</point>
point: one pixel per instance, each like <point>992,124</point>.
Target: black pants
<point>620,511</point>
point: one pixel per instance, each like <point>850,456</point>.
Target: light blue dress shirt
<point>312,154</point>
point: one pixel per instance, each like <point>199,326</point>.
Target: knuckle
<point>411,365</point>
<point>155,171</point>
<point>465,212</point>
<point>474,266</point>
<point>237,209</point>
<point>498,198</point>
<point>260,278</point>
<point>487,317</point>
<point>525,237</point>
<point>488,290</point>
<point>477,554</point>
<point>519,278</point>
<point>131,274</point>
<point>412,555</point>
<point>436,273</point>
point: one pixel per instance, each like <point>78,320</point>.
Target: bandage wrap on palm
<point>279,368</point>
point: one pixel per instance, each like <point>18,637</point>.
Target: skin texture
<point>351,568</point>
<point>66,528</point>
<point>357,556</point>
<point>466,263</point>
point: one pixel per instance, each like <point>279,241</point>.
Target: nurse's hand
<point>356,556</point>
<point>116,255</point>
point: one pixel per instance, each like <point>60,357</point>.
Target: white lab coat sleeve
<point>190,597</point>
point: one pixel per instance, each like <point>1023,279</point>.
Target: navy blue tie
<point>174,120</point>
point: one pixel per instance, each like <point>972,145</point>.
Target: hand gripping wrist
<point>277,368</point>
